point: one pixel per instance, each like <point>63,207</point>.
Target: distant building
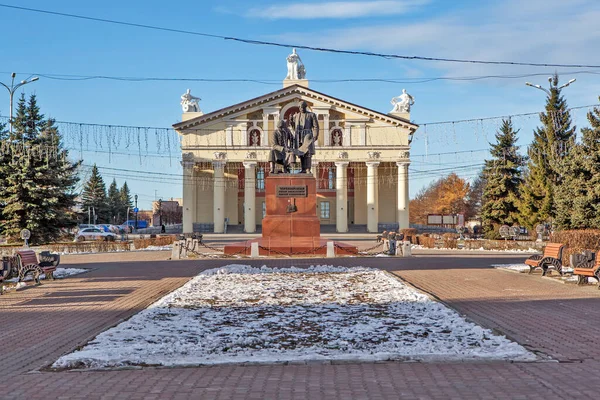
<point>169,212</point>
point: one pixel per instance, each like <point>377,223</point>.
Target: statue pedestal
<point>403,115</point>
<point>292,82</point>
<point>190,115</point>
<point>291,224</point>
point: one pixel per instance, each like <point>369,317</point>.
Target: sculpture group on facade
<point>295,67</point>
<point>189,103</point>
<point>403,102</point>
<point>299,141</point>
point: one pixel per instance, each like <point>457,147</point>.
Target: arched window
<point>254,137</point>
<point>336,137</point>
<point>260,179</point>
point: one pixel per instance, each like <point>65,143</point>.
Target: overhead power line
<point>299,46</point>
<point>75,77</point>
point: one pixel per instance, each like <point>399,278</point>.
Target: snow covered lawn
<point>240,314</point>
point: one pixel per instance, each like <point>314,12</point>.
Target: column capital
<point>402,163</point>
<point>219,164</point>
<point>372,164</point>
<point>342,164</point>
<point>188,164</point>
<point>249,164</point>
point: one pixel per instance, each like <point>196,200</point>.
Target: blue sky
<point>548,31</point>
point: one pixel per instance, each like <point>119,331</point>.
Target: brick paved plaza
<point>560,322</point>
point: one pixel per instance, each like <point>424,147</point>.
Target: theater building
<point>361,162</point>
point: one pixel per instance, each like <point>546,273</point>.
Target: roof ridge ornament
<point>296,71</point>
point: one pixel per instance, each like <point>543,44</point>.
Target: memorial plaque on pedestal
<point>292,191</point>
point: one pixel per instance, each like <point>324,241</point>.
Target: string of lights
<point>297,45</point>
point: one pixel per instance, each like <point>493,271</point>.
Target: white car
<point>94,234</point>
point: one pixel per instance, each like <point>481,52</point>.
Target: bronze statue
<point>306,129</point>
<point>281,150</point>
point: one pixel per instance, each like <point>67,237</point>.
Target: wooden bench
<point>552,257</point>
<point>587,269</point>
<point>29,265</point>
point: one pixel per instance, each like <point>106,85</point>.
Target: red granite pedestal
<point>291,225</point>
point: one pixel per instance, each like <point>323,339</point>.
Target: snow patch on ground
<point>525,268</point>
<point>60,273</point>
<point>157,248</point>
<point>529,250</point>
<point>241,314</point>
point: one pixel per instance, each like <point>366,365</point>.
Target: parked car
<point>94,234</point>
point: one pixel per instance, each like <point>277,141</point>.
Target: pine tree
<point>125,201</point>
<point>39,180</point>
<point>503,176</point>
<point>114,202</point>
<point>552,143</point>
<point>578,195</point>
<point>93,197</point>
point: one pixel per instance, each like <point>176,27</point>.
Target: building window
<point>254,137</point>
<point>260,179</point>
<point>331,179</point>
<point>264,209</point>
<point>336,137</point>
<point>324,210</point>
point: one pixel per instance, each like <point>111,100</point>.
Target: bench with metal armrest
<point>552,257</point>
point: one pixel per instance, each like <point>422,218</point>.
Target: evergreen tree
<point>552,143</point>
<point>39,180</point>
<point>125,203</point>
<point>94,199</point>
<point>503,177</point>
<point>578,195</point>
<point>4,158</point>
<point>114,202</point>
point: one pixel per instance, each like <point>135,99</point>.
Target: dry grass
<point>577,241</point>
<point>163,240</point>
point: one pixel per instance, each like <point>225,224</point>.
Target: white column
<point>325,129</point>
<point>229,136</point>
<point>232,126</point>
<point>403,198</point>
<point>341,200</point>
<point>362,134</point>
<point>372,197</point>
<point>189,196</point>
<point>249,196</point>
<point>326,138</point>
<point>267,133</point>
<point>265,139</point>
<point>347,136</point>
<point>219,196</point>
<point>315,171</point>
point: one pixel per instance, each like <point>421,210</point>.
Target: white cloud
<point>553,33</point>
<point>336,9</point>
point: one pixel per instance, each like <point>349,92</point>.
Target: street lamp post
<point>160,212</point>
<point>12,89</point>
<point>136,211</point>
<point>550,80</point>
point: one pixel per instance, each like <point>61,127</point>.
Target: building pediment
<point>273,101</point>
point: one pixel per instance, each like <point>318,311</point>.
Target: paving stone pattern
<point>558,321</point>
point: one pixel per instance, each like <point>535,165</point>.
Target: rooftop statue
<point>403,102</point>
<point>189,103</point>
<point>295,67</point>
